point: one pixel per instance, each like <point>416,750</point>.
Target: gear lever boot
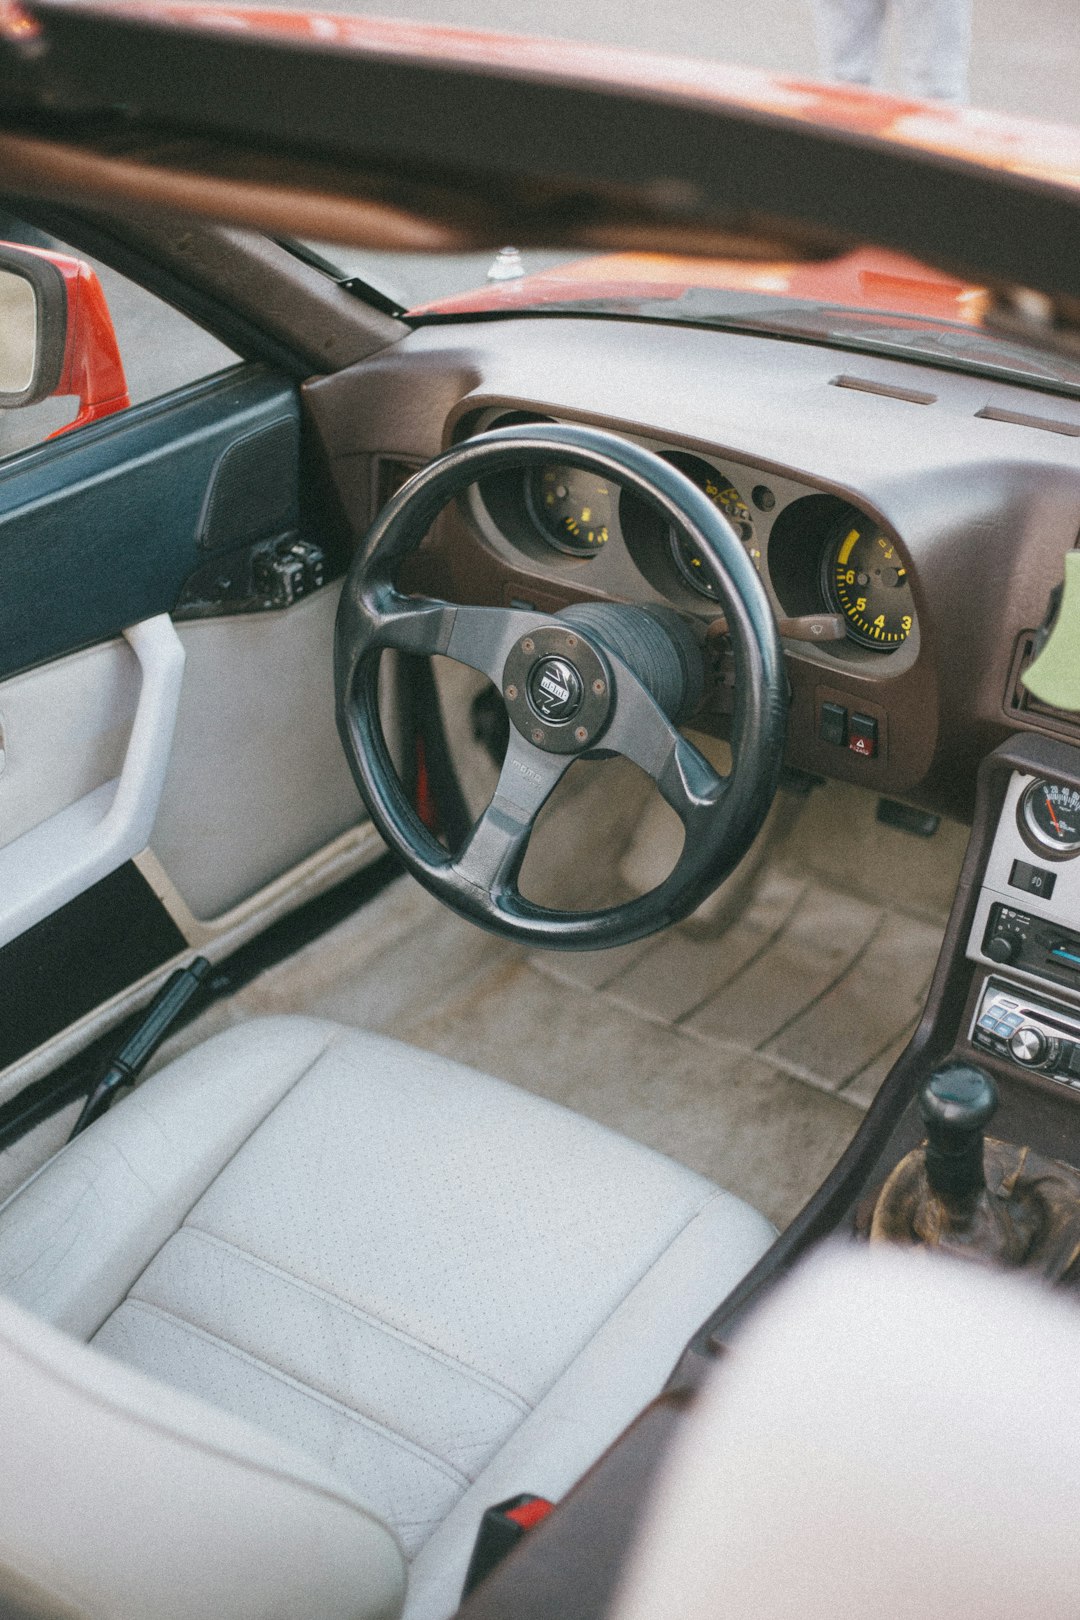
<point>971,1195</point>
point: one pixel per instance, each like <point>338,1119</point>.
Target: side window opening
<point>160,349</point>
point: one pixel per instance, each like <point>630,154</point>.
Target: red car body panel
<point>93,370</point>
<point>867,279</point>
<point>992,140</point>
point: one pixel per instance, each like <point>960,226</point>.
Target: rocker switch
<point>862,735</point>
<point>832,727</point>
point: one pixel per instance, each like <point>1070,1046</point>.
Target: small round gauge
<point>692,567</point>
<point>573,509</point>
<point>864,578</point>
<point>1049,816</point>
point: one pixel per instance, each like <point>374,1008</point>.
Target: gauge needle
<point>1053,818</point>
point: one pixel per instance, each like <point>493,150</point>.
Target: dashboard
<point>908,522</point>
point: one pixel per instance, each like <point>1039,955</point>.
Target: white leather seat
<point>427,1289</point>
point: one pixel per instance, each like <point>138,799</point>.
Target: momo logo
<point>555,690</point>
<point>527,772</point>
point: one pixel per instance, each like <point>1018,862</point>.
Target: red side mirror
<point>73,348</point>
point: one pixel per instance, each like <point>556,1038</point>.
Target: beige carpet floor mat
<point>747,1050</point>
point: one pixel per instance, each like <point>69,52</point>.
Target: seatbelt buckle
<point>501,1528</point>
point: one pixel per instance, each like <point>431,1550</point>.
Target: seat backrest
<point>893,1436</point>
<point>120,1498</point>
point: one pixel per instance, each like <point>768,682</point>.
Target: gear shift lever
<point>968,1194</point>
<point>955,1105</point>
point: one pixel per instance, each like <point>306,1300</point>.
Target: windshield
<point>870,301</point>
<point>412,280</point>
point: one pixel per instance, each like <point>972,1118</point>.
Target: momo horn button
<point>556,691</point>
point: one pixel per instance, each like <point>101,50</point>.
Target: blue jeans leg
<point>851,38</point>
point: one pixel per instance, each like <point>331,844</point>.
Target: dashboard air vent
<point>1047,424</point>
<point>866,385</point>
<point>1018,700</point>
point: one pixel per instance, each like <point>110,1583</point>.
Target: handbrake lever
<point>140,1047</point>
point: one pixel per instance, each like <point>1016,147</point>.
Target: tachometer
<point>572,509</point>
<point>692,567</point>
<point>865,578</point>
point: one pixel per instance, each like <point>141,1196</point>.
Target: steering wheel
<point>596,674</point>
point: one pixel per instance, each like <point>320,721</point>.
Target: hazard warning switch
<point>862,735</point>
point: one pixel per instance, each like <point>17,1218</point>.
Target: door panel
<point>64,729</point>
<point>98,537</point>
<point>113,935</point>
<point>56,859</point>
<point>258,779</point>
<point>102,530</point>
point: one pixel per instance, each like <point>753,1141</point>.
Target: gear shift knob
<point>956,1104</point>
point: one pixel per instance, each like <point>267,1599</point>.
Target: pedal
<point>920,823</point>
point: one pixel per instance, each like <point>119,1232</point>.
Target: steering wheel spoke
<point>689,783</point>
<point>642,733</point>
<point>483,636</point>
<point>492,857</point>
<point>478,636</point>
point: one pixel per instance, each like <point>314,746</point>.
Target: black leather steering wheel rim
<point>721,816</point>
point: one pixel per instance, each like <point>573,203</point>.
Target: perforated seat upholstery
<point>437,1288</point>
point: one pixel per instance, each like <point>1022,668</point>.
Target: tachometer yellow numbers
<point>866,580</point>
<point>574,510</point>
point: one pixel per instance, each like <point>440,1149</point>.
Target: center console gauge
<point>1049,818</point>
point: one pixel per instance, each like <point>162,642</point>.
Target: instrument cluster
<point>820,557</point>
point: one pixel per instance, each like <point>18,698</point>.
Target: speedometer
<point>691,565</point>
<point>573,509</point>
<point>865,578</point>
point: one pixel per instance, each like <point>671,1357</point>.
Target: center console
<point>1004,1003</point>
<point>1027,925</point>
<point>1012,951</point>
